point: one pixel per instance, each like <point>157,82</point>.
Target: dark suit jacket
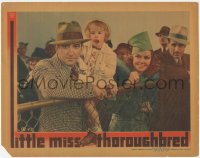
<point>167,59</point>
<point>29,93</point>
<point>173,110</point>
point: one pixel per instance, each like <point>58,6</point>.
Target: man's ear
<point>56,47</point>
<point>81,45</point>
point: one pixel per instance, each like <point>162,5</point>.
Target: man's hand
<point>99,93</point>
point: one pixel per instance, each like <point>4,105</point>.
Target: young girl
<point>101,61</point>
<point>134,109</point>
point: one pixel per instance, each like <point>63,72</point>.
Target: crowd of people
<point>28,120</point>
<point>117,96</point>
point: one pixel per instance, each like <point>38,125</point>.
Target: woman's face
<point>141,61</point>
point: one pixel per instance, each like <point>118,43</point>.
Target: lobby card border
<point>7,82</point>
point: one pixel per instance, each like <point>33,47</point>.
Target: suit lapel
<point>186,61</point>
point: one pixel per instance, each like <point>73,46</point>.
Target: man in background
<point>163,53</point>
<point>173,111</point>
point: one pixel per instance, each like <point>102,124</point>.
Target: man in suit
<point>49,48</point>
<point>167,42</point>
<point>163,52</point>
<point>173,111</point>
<point>177,45</point>
<point>25,94</point>
<point>21,51</point>
<point>59,76</point>
<point>163,39</point>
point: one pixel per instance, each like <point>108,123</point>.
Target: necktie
<point>164,50</point>
<point>179,62</point>
<point>74,72</point>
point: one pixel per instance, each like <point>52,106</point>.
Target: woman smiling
<point>134,109</point>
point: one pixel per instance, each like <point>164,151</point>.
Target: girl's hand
<point>134,77</point>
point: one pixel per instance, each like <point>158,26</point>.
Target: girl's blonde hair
<point>98,23</point>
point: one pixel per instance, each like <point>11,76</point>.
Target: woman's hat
<point>140,43</point>
<point>69,33</point>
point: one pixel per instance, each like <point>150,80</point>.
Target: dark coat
<point>167,59</point>
<point>28,93</point>
<point>173,110</point>
<point>122,72</point>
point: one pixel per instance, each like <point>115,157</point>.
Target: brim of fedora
<point>158,34</point>
<point>69,41</point>
<point>33,58</point>
<point>116,50</point>
<point>178,40</point>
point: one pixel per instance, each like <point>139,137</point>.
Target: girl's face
<point>97,36</point>
<point>141,61</point>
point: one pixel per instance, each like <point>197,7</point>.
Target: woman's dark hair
<point>154,65</point>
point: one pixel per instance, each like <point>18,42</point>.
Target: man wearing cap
<point>179,41</point>
<point>24,94</point>
<point>61,81</point>
<point>22,51</point>
<point>168,54</point>
<point>163,52</point>
<point>173,112</point>
<point>49,48</point>
<point>163,40</point>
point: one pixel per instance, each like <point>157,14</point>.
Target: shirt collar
<point>165,48</point>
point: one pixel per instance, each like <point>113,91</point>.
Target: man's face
<point>141,61</point>
<point>69,54</point>
<point>164,41</point>
<point>97,36</point>
<point>22,50</point>
<point>176,49</point>
<point>124,54</point>
<point>32,64</point>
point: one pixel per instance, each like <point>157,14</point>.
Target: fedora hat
<point>164,31</point>
<point>69,33</point>
<point>123,46</point>
<point>179,34</point>
<point>22,44</point>
<point>140,43</point>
